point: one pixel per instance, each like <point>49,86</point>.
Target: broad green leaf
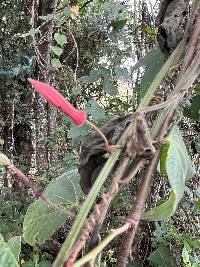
<point>122,74</point>
<point>149,75</point>
<point>55,62</point>
<point>161,257</point>
<point>76,132</point>
<point>110,9</point>
<point>191,243</point>
<point>190,170</point>
<point>148,59</point>
<point>163,211</point>
<point>163,155</point>
<point>109,88</point>
<point>57,50</point>
<point>176,164</point>
<point>3,159</point>
<point>15,246</point>
<point>97,111</point>
<point>152,62</point>
<point>61,39</point>
<point>105,72</point>
<point>41,221</point>
<point>7,259</point>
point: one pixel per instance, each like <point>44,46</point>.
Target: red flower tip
<point>59,101</point>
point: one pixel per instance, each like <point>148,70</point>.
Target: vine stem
<point>108,147</point>
<point>94,253</point>
<point>37,191</point>
<point>94,127</point>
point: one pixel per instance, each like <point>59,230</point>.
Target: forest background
<point>106,58</point>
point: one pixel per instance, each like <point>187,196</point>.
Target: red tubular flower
<point>57,100</point>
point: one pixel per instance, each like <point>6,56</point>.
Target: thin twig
<point>194,38</point>
<point>38,192</point>
<point>133,173</point>
<point>94,253</point>
<point>77,54</point>
<point>94,127</point>
<point>108,147</point>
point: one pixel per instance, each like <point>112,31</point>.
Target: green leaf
<point>15,246</point>
<point>76,132</point>
<point>45,264</point>
<point>161,257</point>
<point>7,259</point>
<point>3,159</point>
<point>194,111</point>
<point>149,32</point>
<point>47,17</point>
<point>197,89</point>
<point>57,50</point>
<point>163,155</point>
<point>55,62</point>
<point>163,211</point>
<point>122,74</point>
<point>109,88</point>
<point>97,111</point>
<point>76,90</point>
<point>93,76</point>
<point>148,59</point>
<point>152,62</point>
<point>191,243</point>
<point>198,204</point>
<point>176,164</point>
<point>61,39</point>
<point>32,33</point>
<point>118,24</point>
<point>41,221</point>
<point>82,1</point>
<point>110,9</point>
<point>185,255</point>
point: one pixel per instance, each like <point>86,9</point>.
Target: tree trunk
<point>45,115</point>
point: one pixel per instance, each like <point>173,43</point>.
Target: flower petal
<point>59,101</point>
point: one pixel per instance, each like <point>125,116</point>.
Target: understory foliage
<point>104,57</point>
